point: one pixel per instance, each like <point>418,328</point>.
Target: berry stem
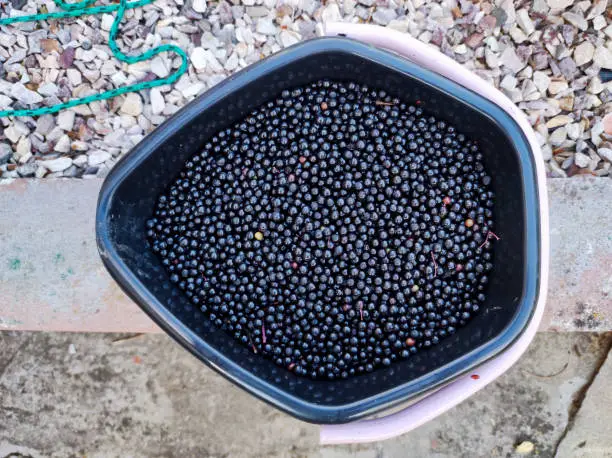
<point>433,258</point>
<point>489,235</point>
<point>252,344</point>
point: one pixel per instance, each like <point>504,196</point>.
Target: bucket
<point>434,379</point>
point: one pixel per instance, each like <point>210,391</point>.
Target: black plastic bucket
<point>129,193</point>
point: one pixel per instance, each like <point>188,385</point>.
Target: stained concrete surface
<point>77,395</point>
<point>590,434</point>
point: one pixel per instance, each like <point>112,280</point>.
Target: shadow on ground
<point>96,395</point>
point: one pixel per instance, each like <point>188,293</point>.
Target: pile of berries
<point>334,230</point>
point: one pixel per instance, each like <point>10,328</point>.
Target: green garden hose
<point>84,8</point>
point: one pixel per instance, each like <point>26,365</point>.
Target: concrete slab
<point>90,395</point>
<point>52,279</point>
<point>590,435</point>
<point>580,290</point>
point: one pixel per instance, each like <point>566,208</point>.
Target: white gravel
<point>545,55</point>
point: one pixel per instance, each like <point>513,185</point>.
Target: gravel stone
<point>48,89</point>
<point>574,130</point>
<point>107,22</point>
<point>55,135</point>
<point>15,131</point>
<point>65,120</point>
<point>24,95</point>
<point>567,103</point>
<point>576,20</point>
<point>288,38</point>
<point>500,16</point>
<point>18,4</point>
<point>257,11</point>
<point>5,153</point>
<point>193,90</point>
<point>266,26</point>
<point>599,22</point>
<point>331,13</point>
<point>72,172</point>
<point>157,101</point>
<point>67,57</point>
<point>559,4</point>
<point>199,6</point>
<point>79,145</point>
<point>546,152</point>
<point>558,136</point>
<point>383,16</point>
<point>558,121</point>
<point>116,138</point>
<point>604,153</point>
<point>7,40</point>
<point>510,59</point>
<point>568,68</point>
<point>491,58</point>
<point>599,6</point>
<point>5,101</point>
<point>27,170</point>
<point>74,76</point>
<point>582,160</point>
<point>525,448</point>
<point>348,6</point>
<point>603,57</point>
<point>80,160</point>
<point>596,131</point>
<point>583,54</point>
<point>63,144</point>
<point>474,40</point>
<point>45,124</point>
<point>556,170</point>
<point>557,86</point>
<point>525,22</point>
<point>40,172</point>
<point>132,105</point>
<point>518,35</point>
<point>198,58</point>
<point>98,157</point>
<point>232,62</point>
<point>539,60</point>
<point>17,56</point>
<point>57,165</point>
<point>508,82</point>
<point>23,151</point>
<point>159,66</point>
<point>542,81</point>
